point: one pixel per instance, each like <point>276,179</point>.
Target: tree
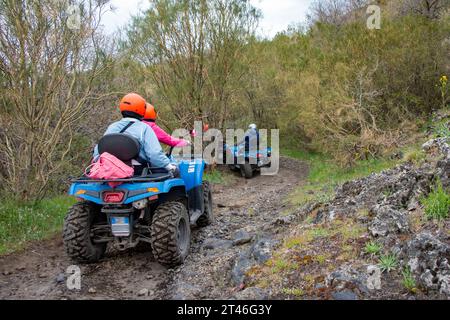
<point>432,9</point>
<point>192,50</point>
<point>50,58</point>
<point>335,12</point>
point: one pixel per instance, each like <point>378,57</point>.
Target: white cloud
<point>277,14</point>
<point>122,13</point>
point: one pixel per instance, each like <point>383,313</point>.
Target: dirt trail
<point>39,271</point>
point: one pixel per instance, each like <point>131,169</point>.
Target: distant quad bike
<point>247,161</point>
<point>152,208</point>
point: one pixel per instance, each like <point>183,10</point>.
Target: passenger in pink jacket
<point>163,137</point>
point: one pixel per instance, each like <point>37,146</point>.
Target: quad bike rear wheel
<point>77,234</point>
<point>247,171</point>
<point>208,217</point>
<point>171,234</point>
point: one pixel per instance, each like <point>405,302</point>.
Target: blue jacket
<point>151,150</point>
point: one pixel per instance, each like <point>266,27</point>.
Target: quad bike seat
<point>122,146</point>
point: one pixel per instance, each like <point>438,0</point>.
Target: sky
<point>277,14</point>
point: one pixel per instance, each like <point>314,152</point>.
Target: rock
<point>262,250</point>
<point>444,281</point>
<point>242,264</point>
<point>439,146</point>
<point>186,291</point>
<point>280,221</point>
<point>242,237</point>
<point>373,278</point>
<point>346,277</point>
<point>388,220</point>
<point>143,293</point>
<point>345,295</point>
<point>92,290</point>
<point>319,286</point>
<point>428,257</point>
<point>214,244</point>
<point>252,293</point>
<point>60,278</point>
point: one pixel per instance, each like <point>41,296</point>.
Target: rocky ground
<point>372,241</point>
<point>245,212</point>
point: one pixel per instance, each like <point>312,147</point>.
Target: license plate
<point>120,226</point>
<point>120,220</point>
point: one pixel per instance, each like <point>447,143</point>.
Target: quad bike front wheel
<point>171,234</point>
<point>77,234</point>
<point>208,217</point>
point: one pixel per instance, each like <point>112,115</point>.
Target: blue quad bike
<point>152,208</point>
<point>247,162</point>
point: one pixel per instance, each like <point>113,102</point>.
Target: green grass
<point>325,175</point>
<point>297,292</point>
<point>373,248</point>
<point>409,282</point>
<point>218,177</point>
<point>388,262</point>
<point>21,223</point>
<point>437,203</point>
<point>441,130</point>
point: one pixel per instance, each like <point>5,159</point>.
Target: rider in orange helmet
<point>133,108</point>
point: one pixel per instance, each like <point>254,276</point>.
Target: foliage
<point>437,203</point>
<point>24,222</point>
<point>373,248</point>
<point>388,262</point>
<point>192,51</point>
<point>332,87</point>
<point>409,282</point>
<point>325,175</point>
<point>49,71</point>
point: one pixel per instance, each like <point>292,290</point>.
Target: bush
<point>353,93</point>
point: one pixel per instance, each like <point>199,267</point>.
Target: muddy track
<point>39,271</point>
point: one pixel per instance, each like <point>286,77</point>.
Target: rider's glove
<point>183,143</point>
<point>173,169</point>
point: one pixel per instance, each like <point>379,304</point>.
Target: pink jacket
<point>166,138</point>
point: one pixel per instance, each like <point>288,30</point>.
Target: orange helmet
<point>133,102</point>
<point>150,113</point>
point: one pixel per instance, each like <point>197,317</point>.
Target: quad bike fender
<point>192,173</point>
<point>93,192</point>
